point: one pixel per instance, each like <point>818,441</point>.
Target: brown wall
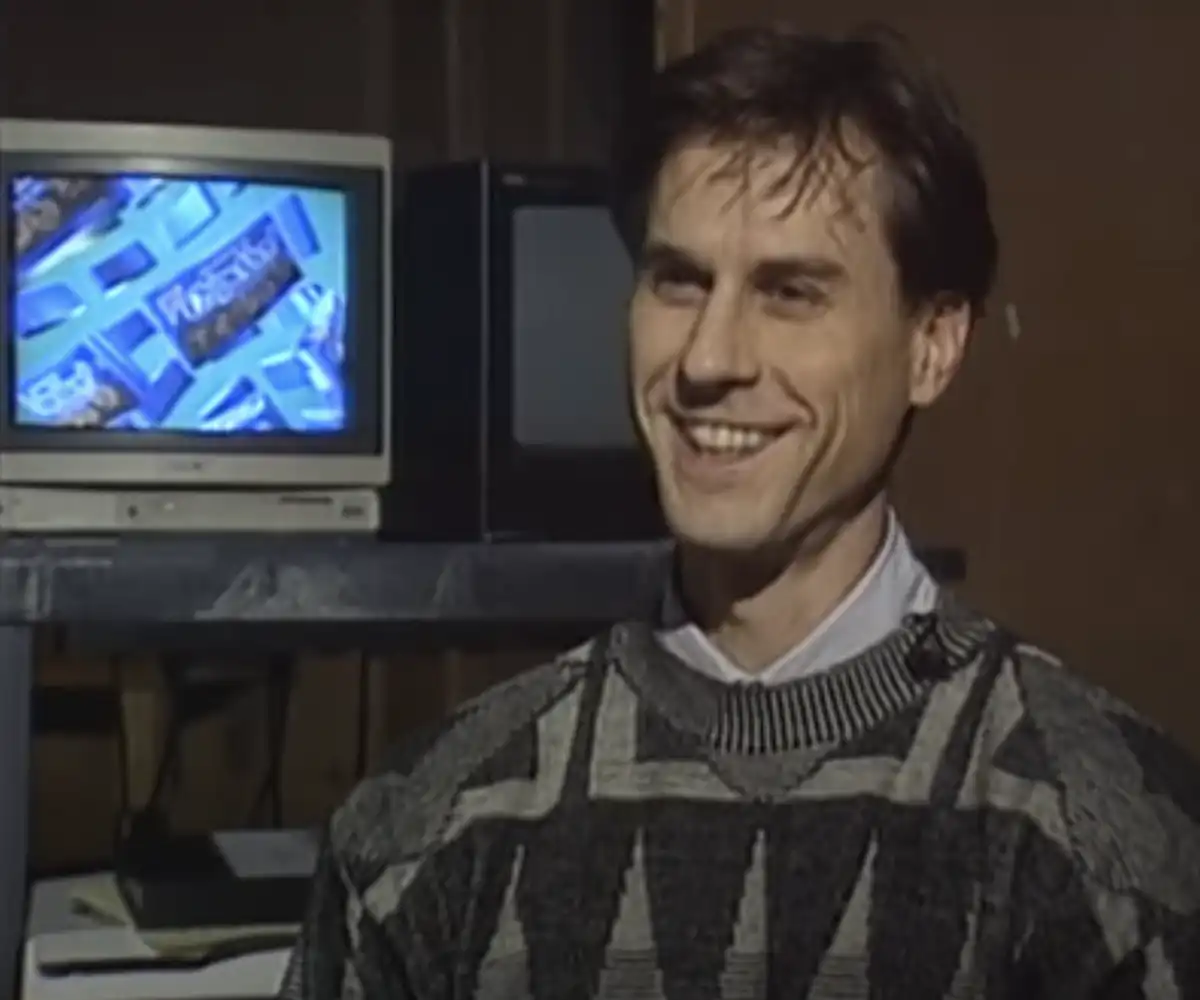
<point>527,79</point>
<point>443,78</point>
<point>1065,462</point>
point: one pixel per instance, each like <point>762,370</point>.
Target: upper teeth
<point>723,437</point>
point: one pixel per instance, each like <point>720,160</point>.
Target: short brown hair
<point>766,85</point>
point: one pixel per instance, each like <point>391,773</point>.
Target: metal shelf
<point>194,580</point>
<point>315,579</point>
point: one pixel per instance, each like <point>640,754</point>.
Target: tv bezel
<point>359,165</point>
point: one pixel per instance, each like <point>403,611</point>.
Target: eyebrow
<point>805,267</point>
<point>659,253</point>
<point>822,270</point>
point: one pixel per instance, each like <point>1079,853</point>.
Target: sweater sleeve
<point>387,907</point>
<point>1115,910</point>
<point>1165,967</point>
<point>341,951</point>
<point>1179,948</point>
<point>1081,941</point>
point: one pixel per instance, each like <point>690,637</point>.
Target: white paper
<point>257,975</point>
<point>268,853</point>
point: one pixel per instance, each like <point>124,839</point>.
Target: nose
<point>720,354</point>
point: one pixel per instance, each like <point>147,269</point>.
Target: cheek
<point>874,398</point>
<point>657,336</point>
<point>852,383</point>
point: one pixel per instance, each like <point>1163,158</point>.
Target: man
<point>813,775</point>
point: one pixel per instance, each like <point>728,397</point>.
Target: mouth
<point>728,441</point>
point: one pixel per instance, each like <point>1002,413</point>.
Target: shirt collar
<point>895,585</point>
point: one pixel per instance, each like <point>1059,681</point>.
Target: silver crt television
<point>191,309</point>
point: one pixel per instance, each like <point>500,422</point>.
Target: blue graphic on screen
<point>191,305</point>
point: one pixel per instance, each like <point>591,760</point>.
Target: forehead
<point>734,207</point>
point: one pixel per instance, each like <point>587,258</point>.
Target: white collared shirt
<point>896,585</point>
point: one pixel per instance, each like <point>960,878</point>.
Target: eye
<point>794,293</point>
<point>793,296</point>
<point>678,284</point>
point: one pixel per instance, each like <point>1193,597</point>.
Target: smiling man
<point>810,773</point>
<point>776,356</point>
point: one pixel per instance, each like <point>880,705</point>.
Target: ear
<point>939,343</point>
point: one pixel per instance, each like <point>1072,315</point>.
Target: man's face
<point>773,359</point>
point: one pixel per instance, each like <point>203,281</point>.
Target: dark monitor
<point>512,418</point>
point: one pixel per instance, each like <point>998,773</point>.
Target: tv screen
<point>201,305</point>
<point>572,279</point>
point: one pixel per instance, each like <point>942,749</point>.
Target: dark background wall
<point>524,79</point>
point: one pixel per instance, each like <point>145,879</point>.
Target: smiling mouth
<point>724,440</point>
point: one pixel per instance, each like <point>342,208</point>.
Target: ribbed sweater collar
<point>822,710</point>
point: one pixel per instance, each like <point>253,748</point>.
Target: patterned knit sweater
<point>950,814</point>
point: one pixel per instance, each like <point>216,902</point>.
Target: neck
<point>755,610</point>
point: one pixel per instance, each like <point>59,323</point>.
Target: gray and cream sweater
<point>950,814</point>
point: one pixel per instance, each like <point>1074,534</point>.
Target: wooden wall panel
<point>538,80</point>
<point>1061,460</point>
<point>231,62</point>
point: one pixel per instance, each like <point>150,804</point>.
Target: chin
<point>739,546</point>
<point>718,531</point>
